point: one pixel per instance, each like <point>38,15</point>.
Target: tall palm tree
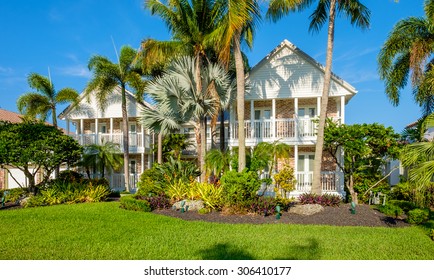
<point>106,156</point>
<point>43,102</point>
<point>236,24</point>
<point>106,77</point>
<point>178,99</point>
<point>326,10</point>
<point>407,55</point>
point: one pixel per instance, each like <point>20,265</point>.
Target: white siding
<point>287,74</point>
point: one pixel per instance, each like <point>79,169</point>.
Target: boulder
<point>193,205</point>
<point>306,209</point>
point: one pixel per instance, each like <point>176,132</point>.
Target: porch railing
<point>136,140</point>
<point>330,181</point>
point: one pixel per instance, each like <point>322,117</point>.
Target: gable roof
<point>117,89</point>
<point>9,116</point>
<point>311,61</point>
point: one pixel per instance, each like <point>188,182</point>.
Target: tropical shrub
<point>263,205</point>
<point>390,210</point>
<point>174,170</point>
<point>15,194</point>
<point>404,205</point>
<point>131,203</point>
<point>285,181</point>
<point>157,202</point>
<point>95,193</point>
<point>210,194</point>
<point>69,176</point>
<point>403,191</point>
<point>324,200</point>
<point>239,187</point>
<point>418,216</point>
<point>431,234</point>
<point>150,182</point>
<point>177,190</point>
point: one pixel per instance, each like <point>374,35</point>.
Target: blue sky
<point>62,36</point>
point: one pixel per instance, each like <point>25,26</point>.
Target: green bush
<point>15,194</point>
<point>177,190</point>
<point>390,210</point>
<point>70,176</point>
<point>131,203</point>
<point>418,216</point>
<point>210,194</point>
<point>239,187</point>
<point>431,234</point>
<point>35,201</point>
<point>150,182</point>
<point>404,205</point>
<point>403,191</point>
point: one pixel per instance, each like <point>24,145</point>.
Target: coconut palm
<point>106,77</point>
<point>236,24</point>
<point>179,101</point>
<point>272,152</point>
<point>43,102</point>
<point>326,10</point>
<point>107,156</point>
<point>407,55</point>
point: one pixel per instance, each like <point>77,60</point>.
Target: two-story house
<point>92,125</point>
<point>282,102</point>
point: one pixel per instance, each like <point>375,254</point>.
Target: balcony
<point>287,130</point>
<point>137,141</point>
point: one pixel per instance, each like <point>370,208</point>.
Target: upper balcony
<point>138,142</point>
<point>291,131</point>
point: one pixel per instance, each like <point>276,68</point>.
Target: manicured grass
<point>104,231</point>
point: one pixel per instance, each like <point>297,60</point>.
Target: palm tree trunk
<point>160,148</point>
<point>202,128</point>
<point>239,67</point>
<point>222,130</point>
<point>316,184</point>
<point>126,139</point>
<point>53,112</point>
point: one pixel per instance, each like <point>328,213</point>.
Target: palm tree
<point>359,16</point>
<point>237,23</point>
<point>179,101</point>
<point>43,102</point>
<point>108,156</point>
<point>272,152</point>
<point>406,55</point>
<point>106,77</point>
<point>218,161</point>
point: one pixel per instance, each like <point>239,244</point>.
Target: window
<point>307,112</point>
<point>133,166</point>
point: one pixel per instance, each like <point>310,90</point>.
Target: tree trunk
<point>126,140</point>
<point>239,66</point>
<point>202,130</point>
<point>316,184</point>
<point>351,189</point>
<point>53,111</point>
<point>160,148</point>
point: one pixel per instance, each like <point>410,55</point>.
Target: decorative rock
<point>23,201</point>
<point>306,209</point>
<point>193,205</point>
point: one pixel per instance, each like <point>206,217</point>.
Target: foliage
<point>324,199</point>
<point>44,101</point>
<point>70,176</point>
<point>285,180</point>
<point>418,216</point>
<point>406,206</point>
<point>210,194</point>
<point>239,186</point>
<point>173,144</point>
<point>431,234</point>
<point>31,147</point>
<point>131,203</point>
<point>218,161</point>
<point>177,189</point>
<point>15,194</point>
<point>265,155</point>
<point>407,55</point>
<point>390,210</point>
<point>174,170</point>
<point>156,201</point>
<point>107,156</point>
<point>267,205</point>
<point>410,191</point>
<point>366,146</point>
<point>150,182</point>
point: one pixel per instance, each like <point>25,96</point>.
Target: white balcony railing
<point>294,128</point>
<point>137,141</point>
<point>330,181</point>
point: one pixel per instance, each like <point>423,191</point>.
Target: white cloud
<point>75,70</point>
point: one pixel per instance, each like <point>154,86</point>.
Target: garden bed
<point>335,216</point>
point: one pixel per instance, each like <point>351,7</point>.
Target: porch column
<point>342,109</point>
<point>142,163</point>
<point>81,131</point>
<point>111,129</point>
<point>142,131</point>
<point>296,162</point>
<point>96,132</point>
<point>67,126</point>
<point>296,117</point>
<point>273,118</point>
<point>252,119</point>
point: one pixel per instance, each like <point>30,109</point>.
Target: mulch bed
<point>334,216</point>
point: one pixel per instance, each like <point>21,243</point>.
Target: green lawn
<point>103,231</point>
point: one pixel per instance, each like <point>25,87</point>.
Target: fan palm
<point>406,55</point>
<point>179,100</point>
<point>326,10</point>
<point>43,102</point>
<point>106,77</point>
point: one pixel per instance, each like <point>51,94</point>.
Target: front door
<point>306,125</point>
<point>262,123</point>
